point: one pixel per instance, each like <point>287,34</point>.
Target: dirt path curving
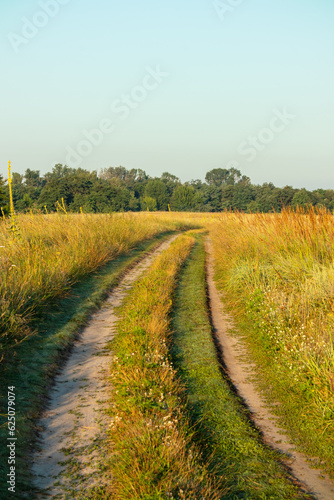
<point>234,354</point>
<point>73,440</point>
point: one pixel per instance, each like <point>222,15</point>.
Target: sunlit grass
<point>276,269</point>
<point>278,274</point>
<point>48,253</point>
<point>38,359</point>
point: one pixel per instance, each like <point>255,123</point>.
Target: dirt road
<point>74,425</point>
<point>73,444</point>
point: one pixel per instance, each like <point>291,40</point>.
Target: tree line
<point>116,189</point>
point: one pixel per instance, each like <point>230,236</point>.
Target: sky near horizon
<point>178,86</point>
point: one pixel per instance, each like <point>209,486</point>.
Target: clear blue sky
<point>249,85</point>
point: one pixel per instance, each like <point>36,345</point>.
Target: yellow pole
<point>11,204</point>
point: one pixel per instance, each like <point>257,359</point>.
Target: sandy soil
<point>234,354</point>
<point>73,440</point>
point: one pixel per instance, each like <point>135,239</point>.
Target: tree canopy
<point>116,189</point>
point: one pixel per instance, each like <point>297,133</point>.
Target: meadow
<point>277,275</point>
<point>42,256</point>
<point>175,423</point>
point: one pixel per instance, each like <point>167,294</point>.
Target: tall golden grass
<point>278,272</point>
<point>46,254</point>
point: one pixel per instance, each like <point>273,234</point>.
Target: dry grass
<point>278,273</point>
<point>41,256</point>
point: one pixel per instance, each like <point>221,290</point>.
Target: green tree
<point>68,184</point>
<point>266,197</point>
<point>148,203</point>
<point>227,197</point>
<point>214,197</point>
<point>27,202</point>
<point>83,201</point>
<point>122,175</point>
<point>217,176</point>
<point>119,173</point>
<point>32,178</point>
<point>285,196</point>
<point>220,176</point>
<point>17,179</point>
<point>302,199</point>
<point>171,182</point>
<point>157,189</point>
<point>183,199</point>
<point>134,204</point>
<point>324,198</point>
<point>105,197</point>
<point>253,207</point>
<point>58,172</point>
<point>243,195</point>
<point>167,177</point>
<point>54,191</point>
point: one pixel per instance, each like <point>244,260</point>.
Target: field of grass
<point>38,359</point>
<point>177,428</point>
<point>277,273</point>
<point>47,254</point>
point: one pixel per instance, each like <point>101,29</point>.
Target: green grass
<point>224,430</point>
<point>151,455</point>
<point>37,360</point>
<point>307,417</point>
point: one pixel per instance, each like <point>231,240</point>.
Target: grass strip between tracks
<point>252,470</point>
<point>151,455</point>
<point>37,360</point>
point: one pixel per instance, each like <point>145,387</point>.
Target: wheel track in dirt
<point>75,419</point>
<point>233,352</point>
